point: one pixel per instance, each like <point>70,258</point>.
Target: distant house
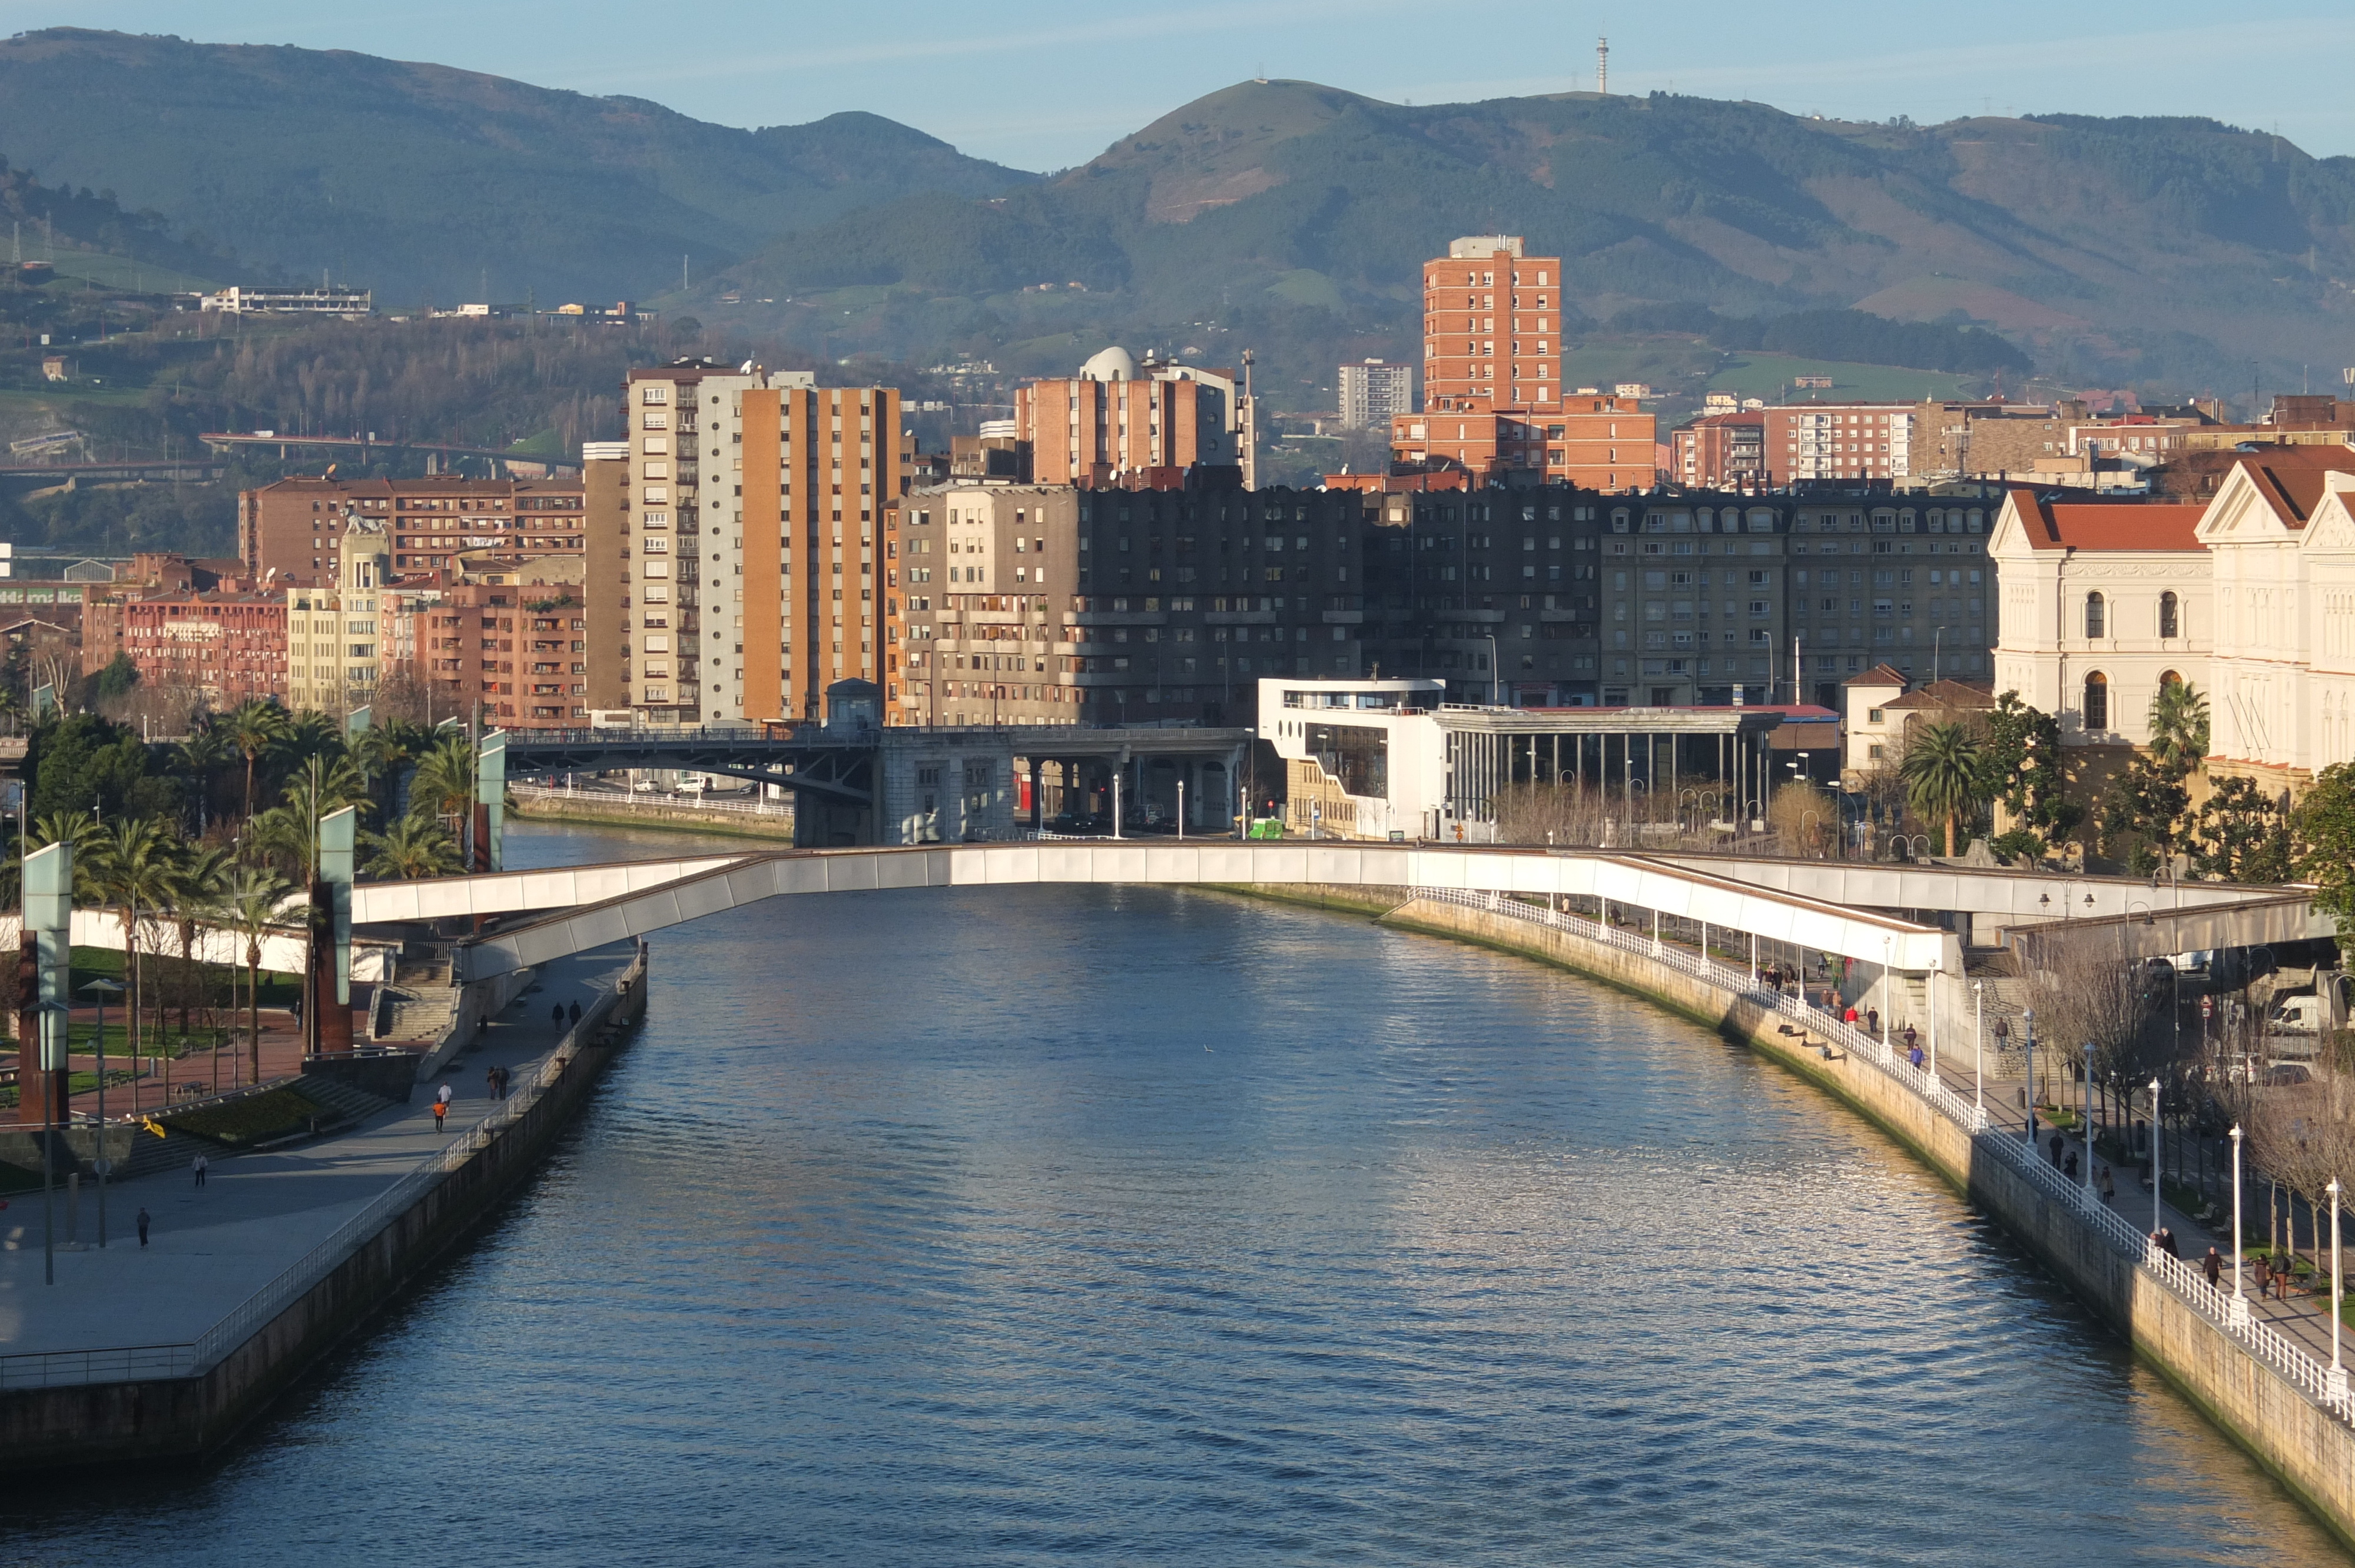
<point>54,367</point>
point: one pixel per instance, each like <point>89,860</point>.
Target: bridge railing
<point>2293,1360</point>
<point>56,1368</point>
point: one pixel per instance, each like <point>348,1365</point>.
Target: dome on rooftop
<point>1114,364</point>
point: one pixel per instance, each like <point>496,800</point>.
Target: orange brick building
<point>1492,393</point>
<point>295,527</point>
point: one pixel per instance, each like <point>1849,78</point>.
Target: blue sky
<point>1050,82</point>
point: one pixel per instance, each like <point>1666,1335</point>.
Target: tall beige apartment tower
<point>750,517</point>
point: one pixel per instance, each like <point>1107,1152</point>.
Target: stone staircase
<point>415,1013</point>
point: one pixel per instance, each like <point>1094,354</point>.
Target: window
<point>2097,698</point>
<point>2168,618</point>
<point>2095,618</point>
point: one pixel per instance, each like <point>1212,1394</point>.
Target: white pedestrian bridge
<point>1893,917</point>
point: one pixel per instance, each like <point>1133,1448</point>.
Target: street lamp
<point>2337,1383</point>
<point>2028,1093</point>
<point>2087,1126</point>
<point>103,988</point>
<point>1496,676</point>
<point>2239,1317</point>
<point>2155,1212</point>
<point>1978,1051</point>
<point>54,1017</point>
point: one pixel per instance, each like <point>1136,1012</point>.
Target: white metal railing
<point>2291,1360</point>
<point>653,802</point>
<point>55,1369</point>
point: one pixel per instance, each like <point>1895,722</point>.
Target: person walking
<point>2264,1269</point>
<point>556,1015</point>
<point>442,1096</point>
<point>1872,1018</point>
<point>199,1165</point>
<point>143,1226</point>
<point>2055,1146</point>
<point>574,1012</point>
<point>2109,1187</point>
<point>2212,1267</point>
<point>491,1081</point>
<point>441,1114</point>
<point>1912,1051</point>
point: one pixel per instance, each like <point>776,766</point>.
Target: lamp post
<point>1978,1051</point>
<point>103,988</point>
<point>54,1017</point>
<point>2087,1126</point>
<point>1496,676</point>
<point>2027,1037</point>
<point>1889,1016</point>
<point>2240,1312</point>
<point>2155,1226</point>
<point>2337,1383</point>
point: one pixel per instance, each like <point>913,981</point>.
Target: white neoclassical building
<point>2281,682</point>
<point>2251,598</point>
<point>2100,604</point>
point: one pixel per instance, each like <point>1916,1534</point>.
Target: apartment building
<point>1721,452</point>
<point>1493,401</point>
<point>228,646</point>
<point>1485,279</point>
<point>1889,577</point>
<point>753,514</point>
<point>1119,419</point>
<point>333,656</point>
<point>606,579</point>
<point>288,532</point>
<point>1373,393</point>
<point>979,584</point>
<point>485,650</point>
<point>1839,441</point>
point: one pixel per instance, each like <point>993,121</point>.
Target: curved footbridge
<point>1912,920</point>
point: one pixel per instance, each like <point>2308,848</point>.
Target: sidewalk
<point>259,1214</point>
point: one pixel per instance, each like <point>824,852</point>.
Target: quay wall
<point>2305,1447</point>
<point>185,1417</point>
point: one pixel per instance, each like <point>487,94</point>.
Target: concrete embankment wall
<point>180,1418</point>
<point>660,818</point>
<point>2305,1447</point>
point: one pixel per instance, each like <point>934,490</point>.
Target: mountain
<point>2161,252</point>
<point>418,180</point>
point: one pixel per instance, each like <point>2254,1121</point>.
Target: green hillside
<point>2165,253</point>
<point>427,183</point>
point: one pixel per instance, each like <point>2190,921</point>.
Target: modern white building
<point>1374,391</point>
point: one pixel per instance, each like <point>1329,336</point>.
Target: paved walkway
<point>258,1214</point>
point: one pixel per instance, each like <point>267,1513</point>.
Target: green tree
<point>2142,813</point>
<point>134,873</point>
<point>254,728</point>
<point>412,847</point>
<point>444,784</point>
<point>1944,774</point>
<point>2241,834</point>
<point>83,763</point>
<point>119,676</point>
<point>198,874</point>
<point>2023,772</point>
<point>289,833</point>
<point>2179,727</point>
<point>199,760</point>
<point>2325,847</point>
<point>249,905</point>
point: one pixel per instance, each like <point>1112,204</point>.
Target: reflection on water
<point>1126,1224</point>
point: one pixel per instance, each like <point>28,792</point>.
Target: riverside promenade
<point>211,1249</point>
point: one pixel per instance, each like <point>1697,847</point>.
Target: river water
<point>1137,1224</point>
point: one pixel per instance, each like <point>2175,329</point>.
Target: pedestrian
<point>1872,1016</point>
<point>2263,1270</point>
<point>2109,1187</point>
<point>556,1015</point>
<point>2069,1165</point>
<point>2212,1267</point>
<point>1914,1054</point>
<point>574,1012</point>
<point>443,1095</point>
<point>2167,1240</point>
<point>1849,1018</point>
<point>491,1081</point>
<point>1910,1038</point>
<point>441,1112</point>
<point>143,1226</point>
<point>2055,1146</point>
<point>197,1165</point>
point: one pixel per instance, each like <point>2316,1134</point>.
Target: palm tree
<point>412,847</point>
<point>2179,727</point>
<point>135,871</point>
<point>80,829</point>
<point>198,877</point>
<point>311,734</point>
<point>382,752</point>
<point>291,832</point>
<point>254,728</point>
<point>1943,771</point>
<point>200,757</point>
<point>444,784</point>
<point>249,905</point>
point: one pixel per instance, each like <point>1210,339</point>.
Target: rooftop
<point>2108,525</point>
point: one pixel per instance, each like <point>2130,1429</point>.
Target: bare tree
<point>2085,997</point>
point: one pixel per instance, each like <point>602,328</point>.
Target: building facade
<point>288,533</point>
<point>1374,393</point>
<point>1117,420</point>
<point>334,654</point>
<point>1482,280</point>
<point>752,527</point>
<point>227,646</point>
<point>1721,452</point>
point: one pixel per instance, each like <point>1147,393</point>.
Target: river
<point>1131,1225</point>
